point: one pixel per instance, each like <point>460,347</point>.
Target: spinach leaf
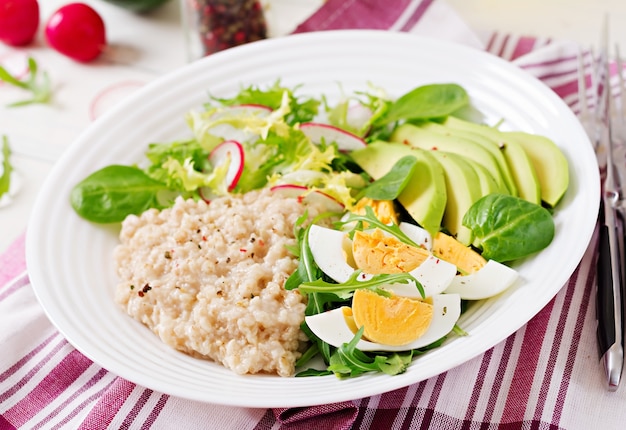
<point>507,228</point>
<point>393,182</point>
<point>113,192</point>
<point>428,101</point>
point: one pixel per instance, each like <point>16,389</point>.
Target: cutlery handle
<point>608,312</point>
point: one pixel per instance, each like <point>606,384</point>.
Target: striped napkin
<point>546,375</point>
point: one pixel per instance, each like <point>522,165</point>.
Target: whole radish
<point>77,31</point>
<point>19,20</point>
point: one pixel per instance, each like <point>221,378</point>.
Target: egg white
<point>332,328</point>
<point>493,278</point>
<point>326,245</point>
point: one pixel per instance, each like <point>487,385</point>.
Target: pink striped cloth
<point>545,376</point>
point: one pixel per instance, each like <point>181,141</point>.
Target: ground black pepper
<point>215,25</point>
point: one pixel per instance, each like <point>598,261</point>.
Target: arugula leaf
<point>40,89</point>
<point>7,168</point>
<point>389,186</point>
<point>348,361</point>
<point>370,218</point>
<point>345,290</point>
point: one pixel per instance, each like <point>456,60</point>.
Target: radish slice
<point>317,197</point>
<point>331,204</point>
<point>289,190</point>
<point>229,151</point>
<point>358,115</point>
<point>345,140</point>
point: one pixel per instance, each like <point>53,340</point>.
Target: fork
<point>611,270</point>
<point>618,117</point>
<point>589,119</point>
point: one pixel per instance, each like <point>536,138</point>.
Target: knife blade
<point>610,249</point>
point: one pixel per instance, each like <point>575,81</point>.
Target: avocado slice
<point>488,184</point>
<point>520,165</point>
<point>484,141</point>
<point>550,164</point>
<point>463,189</point>
<point>421,138</point>
<point>425,197</point>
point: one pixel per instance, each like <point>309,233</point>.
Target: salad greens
<point>110,194</point>
<point>7,168</point>
<point>301,109</point>
<point>370,218</point>
<point>391,184</point>
<point>277,152</point>
<point>323,295</point>
<point>38,87</point>
<point>507,228</point>
<point>426,102</point>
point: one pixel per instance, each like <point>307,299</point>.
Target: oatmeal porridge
<point>208,279</point>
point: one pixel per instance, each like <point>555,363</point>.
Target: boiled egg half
<point>390,323</point>
<point>333,252</point>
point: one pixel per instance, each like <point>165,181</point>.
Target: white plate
<point>70,260</point>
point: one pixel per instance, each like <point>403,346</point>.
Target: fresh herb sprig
<point>371,220</point>
<point>356,281</point>
<point>38,86</point>
<point>7,168</point>
<point>348,361</point>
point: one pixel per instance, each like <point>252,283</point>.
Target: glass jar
<point>215,25</point>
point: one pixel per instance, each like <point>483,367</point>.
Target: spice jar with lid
<point>215,25</point>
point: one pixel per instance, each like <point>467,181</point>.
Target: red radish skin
<point>77,31</point>
<point>230,149</point>
<point>19,21</point>
<point>319,132</point>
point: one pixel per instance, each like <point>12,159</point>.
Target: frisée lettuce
<point>275,152</point>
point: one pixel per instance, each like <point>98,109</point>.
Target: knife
<point>610,248</point>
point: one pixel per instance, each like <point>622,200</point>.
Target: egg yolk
<point>391,320</point>
<point>383,209</point>
<point>375,253</point>
<point>463,257</point>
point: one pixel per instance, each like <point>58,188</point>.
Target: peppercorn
<point>215,25</point>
